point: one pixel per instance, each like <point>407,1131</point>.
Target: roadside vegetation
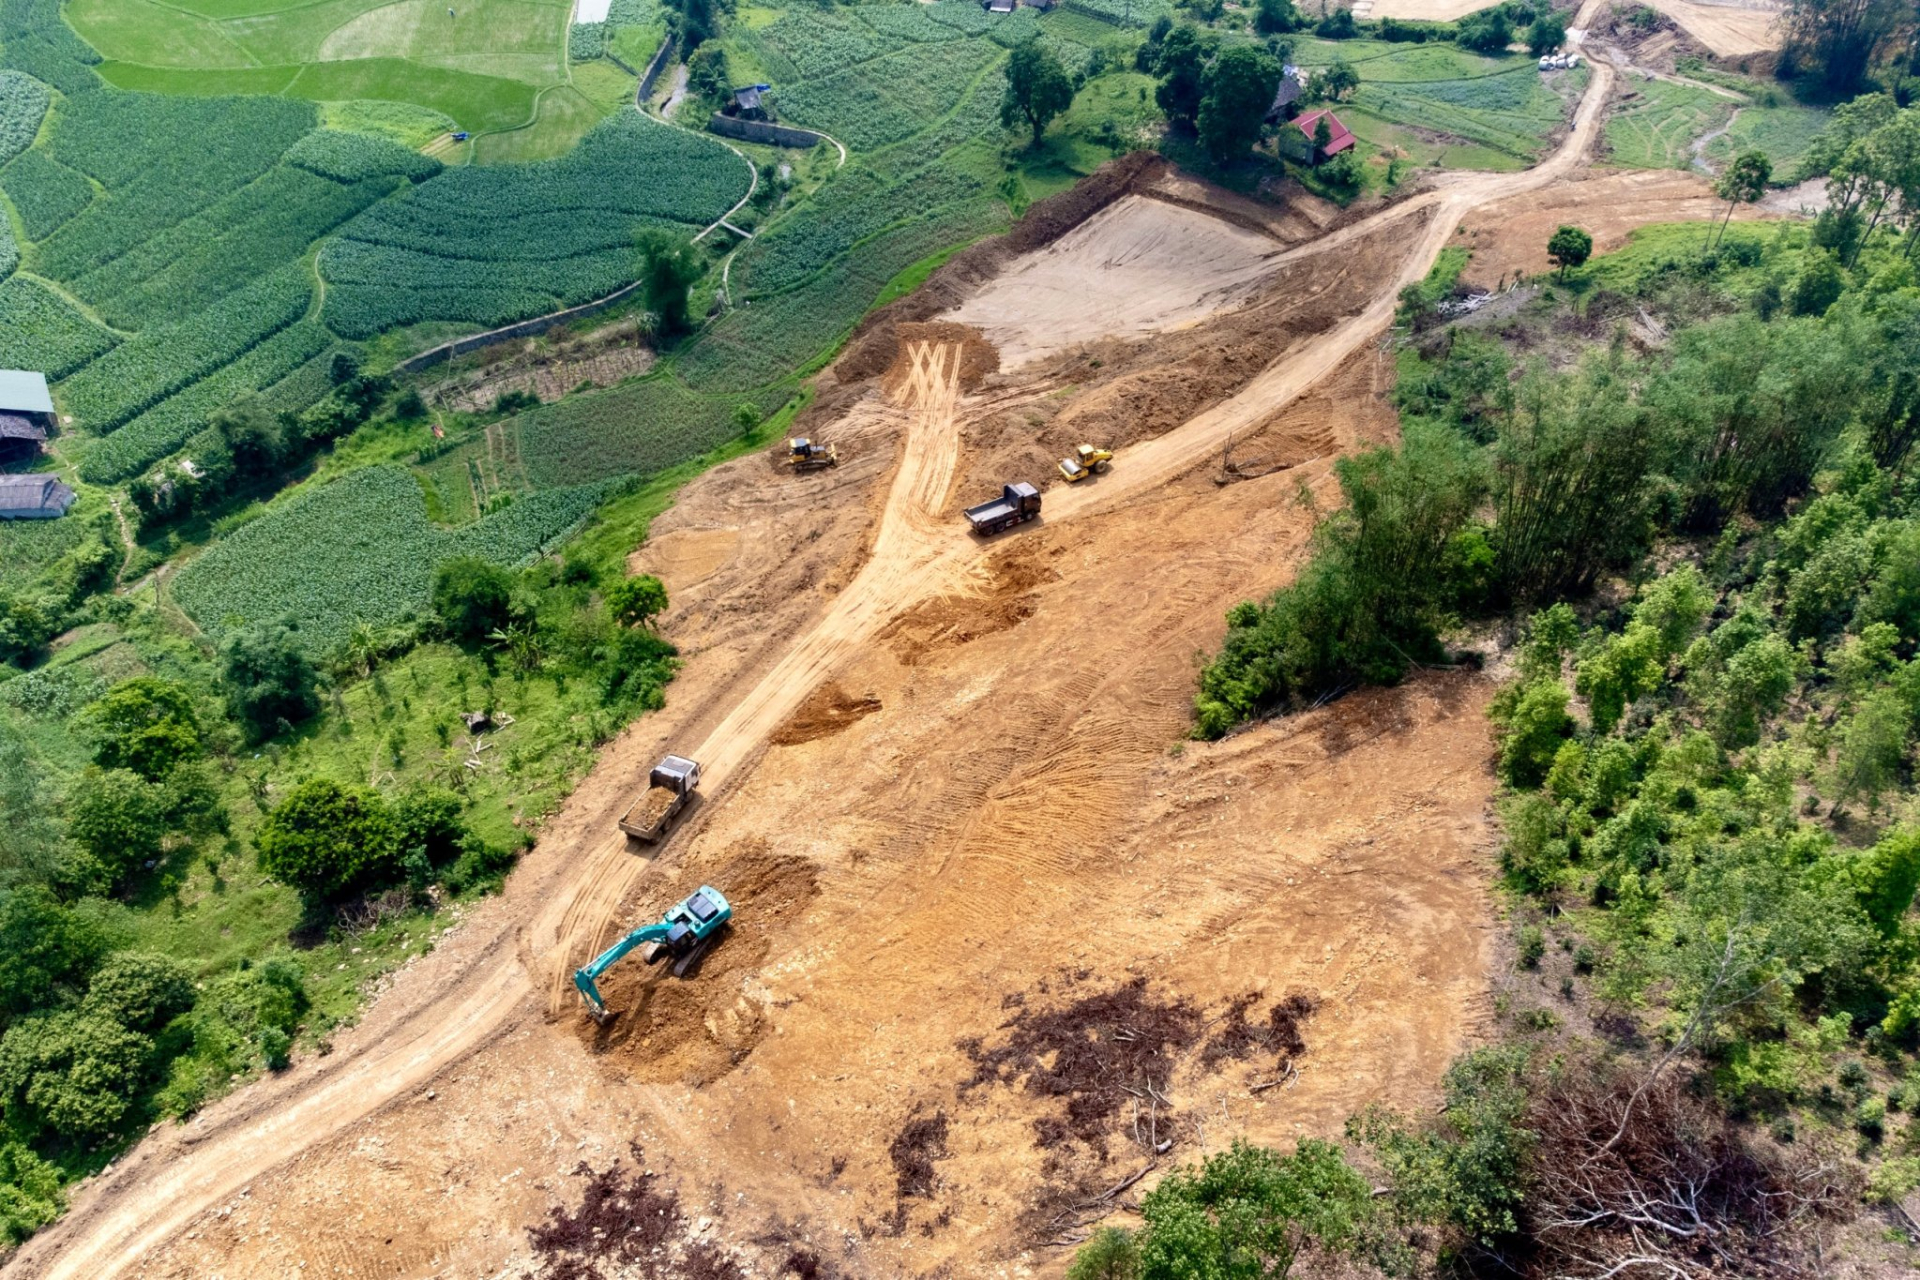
<point>1666,495</point>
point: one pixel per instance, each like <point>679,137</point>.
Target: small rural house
<point>749,103</point>
<point>1297,140</point>
<point>1286,98</point>
<point>33,497</point>
<point>999,6</point>
<point>26,415</point>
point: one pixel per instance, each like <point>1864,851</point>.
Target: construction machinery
<point>669,787</point>
<point>685,932</point>
<point>804,455</point>
<point>1017,504</point>
<point>1086,461</point>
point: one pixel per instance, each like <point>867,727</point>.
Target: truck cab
<point>676,773</point>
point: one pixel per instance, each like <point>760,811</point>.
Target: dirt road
<point>473,990</point>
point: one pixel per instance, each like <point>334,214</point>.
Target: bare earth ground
<point>1138,266</point>
<point>943,791</point>
<point>1509,237</point>
<point>1729,28</point>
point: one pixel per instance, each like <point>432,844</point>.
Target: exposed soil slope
<point>1006,821</point>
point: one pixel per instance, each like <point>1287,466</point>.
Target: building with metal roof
<point>24,394</point>
<point>33,497</point>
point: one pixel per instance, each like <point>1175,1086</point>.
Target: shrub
<point>139,990</point>
<point>1533,734</point>
<point>1531,946</point>
<point>472,597</point>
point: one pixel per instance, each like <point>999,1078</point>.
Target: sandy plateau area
<point>1138,266</point>
<point>1728,28</point>
<point>1003,939</point>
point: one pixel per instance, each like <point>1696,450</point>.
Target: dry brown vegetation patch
<point>921,1141</point>
<point>1238,1038</point>
<point>629,1220</point>
<point>1098,1053</point>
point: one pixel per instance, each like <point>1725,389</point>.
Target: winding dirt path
<point>475,988</point>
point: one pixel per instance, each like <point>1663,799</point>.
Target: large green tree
<point>637,601</point>
<point>1236,92</point>
<point>119,818</point>
<point>472,597</point>
<point>145,724</point>
<point>45,949</point>
<point>327,840</point>
<point>1037,89</point>
<point>1744,182</point>
<point>1248,1213</point>
<point>1569,247</point>
<point>270,681</point>
<point>668,268</point>
<point>1181,67</point>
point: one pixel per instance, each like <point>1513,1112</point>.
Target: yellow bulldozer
<point>1086,461</point>
<point>804,455</point>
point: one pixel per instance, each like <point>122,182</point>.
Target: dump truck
<point>805,455</point>
<point>690,927</point>
<point>1086,461</point>
<point>669,787</point>
<point>1017,504</point>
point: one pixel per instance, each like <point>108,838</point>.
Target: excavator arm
<point>584,978</point>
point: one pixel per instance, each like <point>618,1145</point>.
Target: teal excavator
<point>685,933</point>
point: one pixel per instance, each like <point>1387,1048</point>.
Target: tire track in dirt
<point>174,1176</point>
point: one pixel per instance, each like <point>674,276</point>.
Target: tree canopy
<point>1037,88</point>
<point>1237,90</point>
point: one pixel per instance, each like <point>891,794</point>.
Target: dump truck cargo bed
<point>653,812</point>
<point>1016,504</point>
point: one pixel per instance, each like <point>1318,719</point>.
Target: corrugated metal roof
<point>24,392</point>
<point>39,492</point>
<point>1341,137</point>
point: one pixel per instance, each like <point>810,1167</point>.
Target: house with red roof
<point>1297,137</point>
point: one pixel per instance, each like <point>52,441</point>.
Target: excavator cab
<point>1086,461</point>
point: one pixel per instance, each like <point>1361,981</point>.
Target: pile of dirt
<point>696,1029</point>
<point>653,805</point>
<point>828,710</point>
<point>946,622</point>
<point>1098,1053</point>
<point>978,358</point>
<point>629,1221</point>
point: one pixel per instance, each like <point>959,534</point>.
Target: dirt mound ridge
<point>827,711</point>
<point>694,1030</point>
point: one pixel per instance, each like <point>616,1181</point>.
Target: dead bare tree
<point>1641,1178</point>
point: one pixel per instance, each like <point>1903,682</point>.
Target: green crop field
<point>483,66</point>
<point>1656,127</point>
<point>495,244</point>
<point>360,549</point>
<point>1440,104</point>
<point>1783,133</point>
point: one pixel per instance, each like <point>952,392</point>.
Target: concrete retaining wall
<point>777,135</point>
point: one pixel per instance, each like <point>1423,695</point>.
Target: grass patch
<point>1656,126</point>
